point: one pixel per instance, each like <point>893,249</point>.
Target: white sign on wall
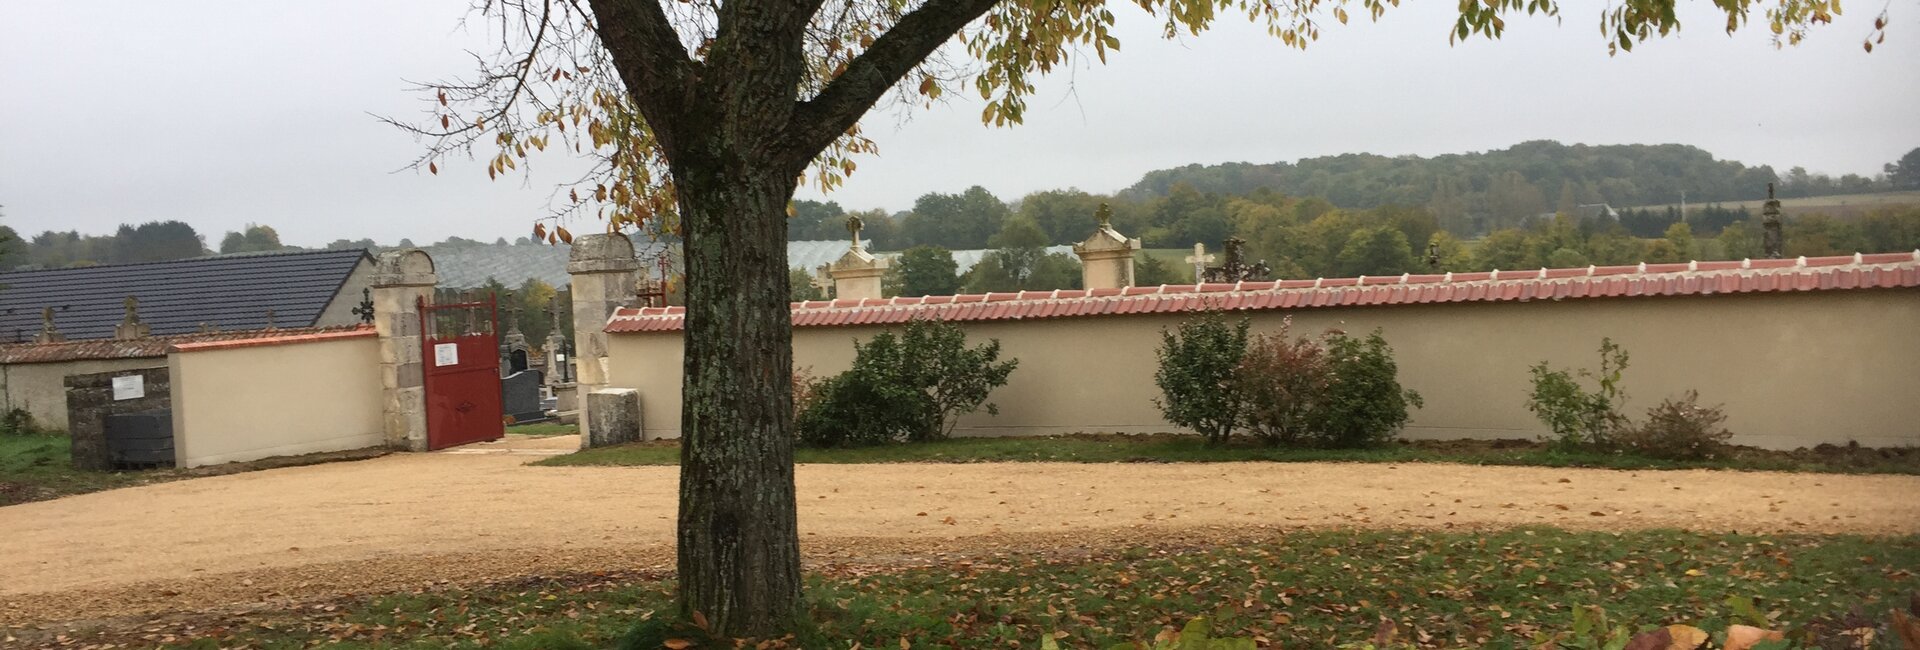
<point>129,387</point>
<point>446,354</point>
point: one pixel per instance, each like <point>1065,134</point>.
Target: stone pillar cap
<point>601,253</point>
<point>409,267</point>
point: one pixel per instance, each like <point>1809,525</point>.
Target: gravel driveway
<point>479,513</point>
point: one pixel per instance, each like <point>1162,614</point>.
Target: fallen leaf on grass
<point>1744,637</point>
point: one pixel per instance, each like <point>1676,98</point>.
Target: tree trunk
<point>739,549</point>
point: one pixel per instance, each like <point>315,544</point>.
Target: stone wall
<point>90,399</point>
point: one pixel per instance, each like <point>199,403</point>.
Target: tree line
<point>153,241</point>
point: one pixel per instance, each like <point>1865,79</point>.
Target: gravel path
<point>479,513</point>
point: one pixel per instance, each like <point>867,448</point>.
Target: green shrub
<point>1363,404</point>
<point>1197,363</point>
<point>1677,429</point>
<point>909,387</point>
<point>18,422</point>
<point>1282,381</point>
<point>1578,418</point>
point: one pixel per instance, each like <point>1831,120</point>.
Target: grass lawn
<point>1176,448</point>
<point>1296,590</point>
<point>36,467</point>
<point>544,429</point>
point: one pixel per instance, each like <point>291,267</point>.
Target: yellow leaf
<point>1695,573</point>
<point>1686,637</point>
<point>564,235</point>
<point>677,644</point>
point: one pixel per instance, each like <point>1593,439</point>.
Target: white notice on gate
<point>129,387</point>
<point>446,354</point>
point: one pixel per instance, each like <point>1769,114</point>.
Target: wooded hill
<point>1496,188</point>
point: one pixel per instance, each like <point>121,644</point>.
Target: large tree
<point>705,116</point>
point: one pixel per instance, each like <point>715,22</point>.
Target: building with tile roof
<point>223,292</point>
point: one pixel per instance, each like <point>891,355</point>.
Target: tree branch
<point>817,122</point>
<point>653,64</point>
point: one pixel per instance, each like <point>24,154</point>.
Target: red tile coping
<point>1858,271</point>
<point>277,338</point>
<point>144,348</point>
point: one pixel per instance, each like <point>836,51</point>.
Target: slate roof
<point>466,267</point>
<point>1848,272</point>
<point>229,292</point>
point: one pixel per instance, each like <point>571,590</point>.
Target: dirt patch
<point>408,520</point>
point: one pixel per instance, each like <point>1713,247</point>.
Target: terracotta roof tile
<point>158,346</point>
<point>1846,272</point>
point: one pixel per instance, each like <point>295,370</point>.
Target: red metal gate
<point>460,352</point>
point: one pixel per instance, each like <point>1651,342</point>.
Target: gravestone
<point>520,397</point>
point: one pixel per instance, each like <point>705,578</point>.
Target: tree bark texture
<point>739,547</point>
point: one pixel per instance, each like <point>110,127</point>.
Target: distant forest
<point>1473,193</point>
<point>1534,204</point>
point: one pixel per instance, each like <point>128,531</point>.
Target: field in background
<point>1839,205</point>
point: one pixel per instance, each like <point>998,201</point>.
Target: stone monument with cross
<point>130,327</point>
<point>822,281</point>
<point>1236,268</point>
<point>857,274</point>
<point>514,350</point>
<point>1199,259</point>
<point>48,332</point>
<point>1106,257</point>
<point>559,362</point>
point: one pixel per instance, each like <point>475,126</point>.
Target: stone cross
<point>1199,260</point>
<point>854,225</point>
<point>513,316</point>
<point>554,311</point>
<point>1236,268</point>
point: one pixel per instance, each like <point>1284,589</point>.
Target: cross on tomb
<point>854,226</point>
<point>365,309</point>
<point>554,311</point>
<point>1199,259</point>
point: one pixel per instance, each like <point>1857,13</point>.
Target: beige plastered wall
<point>1793,369</point>
<point>248,403</point>
<point>40,389</point>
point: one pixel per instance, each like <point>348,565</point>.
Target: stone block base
<point>613,417</point>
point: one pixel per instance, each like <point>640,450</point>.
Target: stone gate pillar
<point>601,269</point>
<point>401,279</point>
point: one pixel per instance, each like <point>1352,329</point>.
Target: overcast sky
<point>224,113</point>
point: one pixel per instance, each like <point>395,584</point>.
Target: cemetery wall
<point>1792,368</point>
<point>37,388</point>
<point>280,396</point>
